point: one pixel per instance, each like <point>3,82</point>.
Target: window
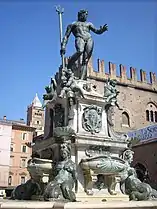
<point>23,163</point>
<point>10,180</point>
<point>24,148</point>
<point>12,147</point>
<point>151,113</point>
<point>24,136</point>
<point>151,116</point>
<point>156,116</point>
<point>38,114</point>
<point>125,119</point>
<point>38,122</point>
<point>22,179</point>
<point>147,115</point>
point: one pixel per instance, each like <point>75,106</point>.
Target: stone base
<point>13,204</point>
<point>101,197</point>
<point>83,197</point>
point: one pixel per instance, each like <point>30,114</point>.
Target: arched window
<point>147,115</point>
<point>10,180</point>
<point>151,116</point>
<point>156,116</point>
<point>125,119</point>
<point>151,113</point>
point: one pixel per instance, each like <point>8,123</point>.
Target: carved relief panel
<point>92,119</point>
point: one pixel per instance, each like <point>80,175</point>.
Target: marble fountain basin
<point>39,166</point>
<point>104,164</point>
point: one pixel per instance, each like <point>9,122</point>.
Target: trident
<point>60,12</point>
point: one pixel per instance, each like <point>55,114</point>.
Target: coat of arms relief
<point>92,119</point>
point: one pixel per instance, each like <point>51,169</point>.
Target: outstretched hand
<point>104,27</point>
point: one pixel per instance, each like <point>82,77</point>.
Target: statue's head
<point>69,72</point>
<point>82,15</point>
<point>113,82</point>
<point>65,151</point>
<point>128,156</point>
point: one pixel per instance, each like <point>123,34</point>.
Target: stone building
<point>19,153</point>
<point>35,116</point>
<point>14,153</point>
<point>137,98</point>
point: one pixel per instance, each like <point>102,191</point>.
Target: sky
<point>30,44</point>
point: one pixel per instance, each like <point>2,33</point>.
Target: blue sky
<point>29,43</point>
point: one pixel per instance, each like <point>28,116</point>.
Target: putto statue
<point>69,85</point>
<point>111,92</point>
<point>83,41</point>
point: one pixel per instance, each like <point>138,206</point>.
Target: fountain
<point>81,156</point>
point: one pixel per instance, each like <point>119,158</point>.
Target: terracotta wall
<point>19,156</point>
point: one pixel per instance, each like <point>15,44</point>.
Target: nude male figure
<point>83,40</point>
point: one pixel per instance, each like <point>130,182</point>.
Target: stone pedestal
<point>88,118</point>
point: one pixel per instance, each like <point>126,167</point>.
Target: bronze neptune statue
<point>83,41</point>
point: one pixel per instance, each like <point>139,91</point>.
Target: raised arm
<point>65,38</point>
<point>101,30</point>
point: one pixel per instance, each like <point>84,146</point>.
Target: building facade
<point>35,116</point>
<point>19,153</point>
<point>137,97</point>
<point>14,153</point>
<point>5,141</point>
